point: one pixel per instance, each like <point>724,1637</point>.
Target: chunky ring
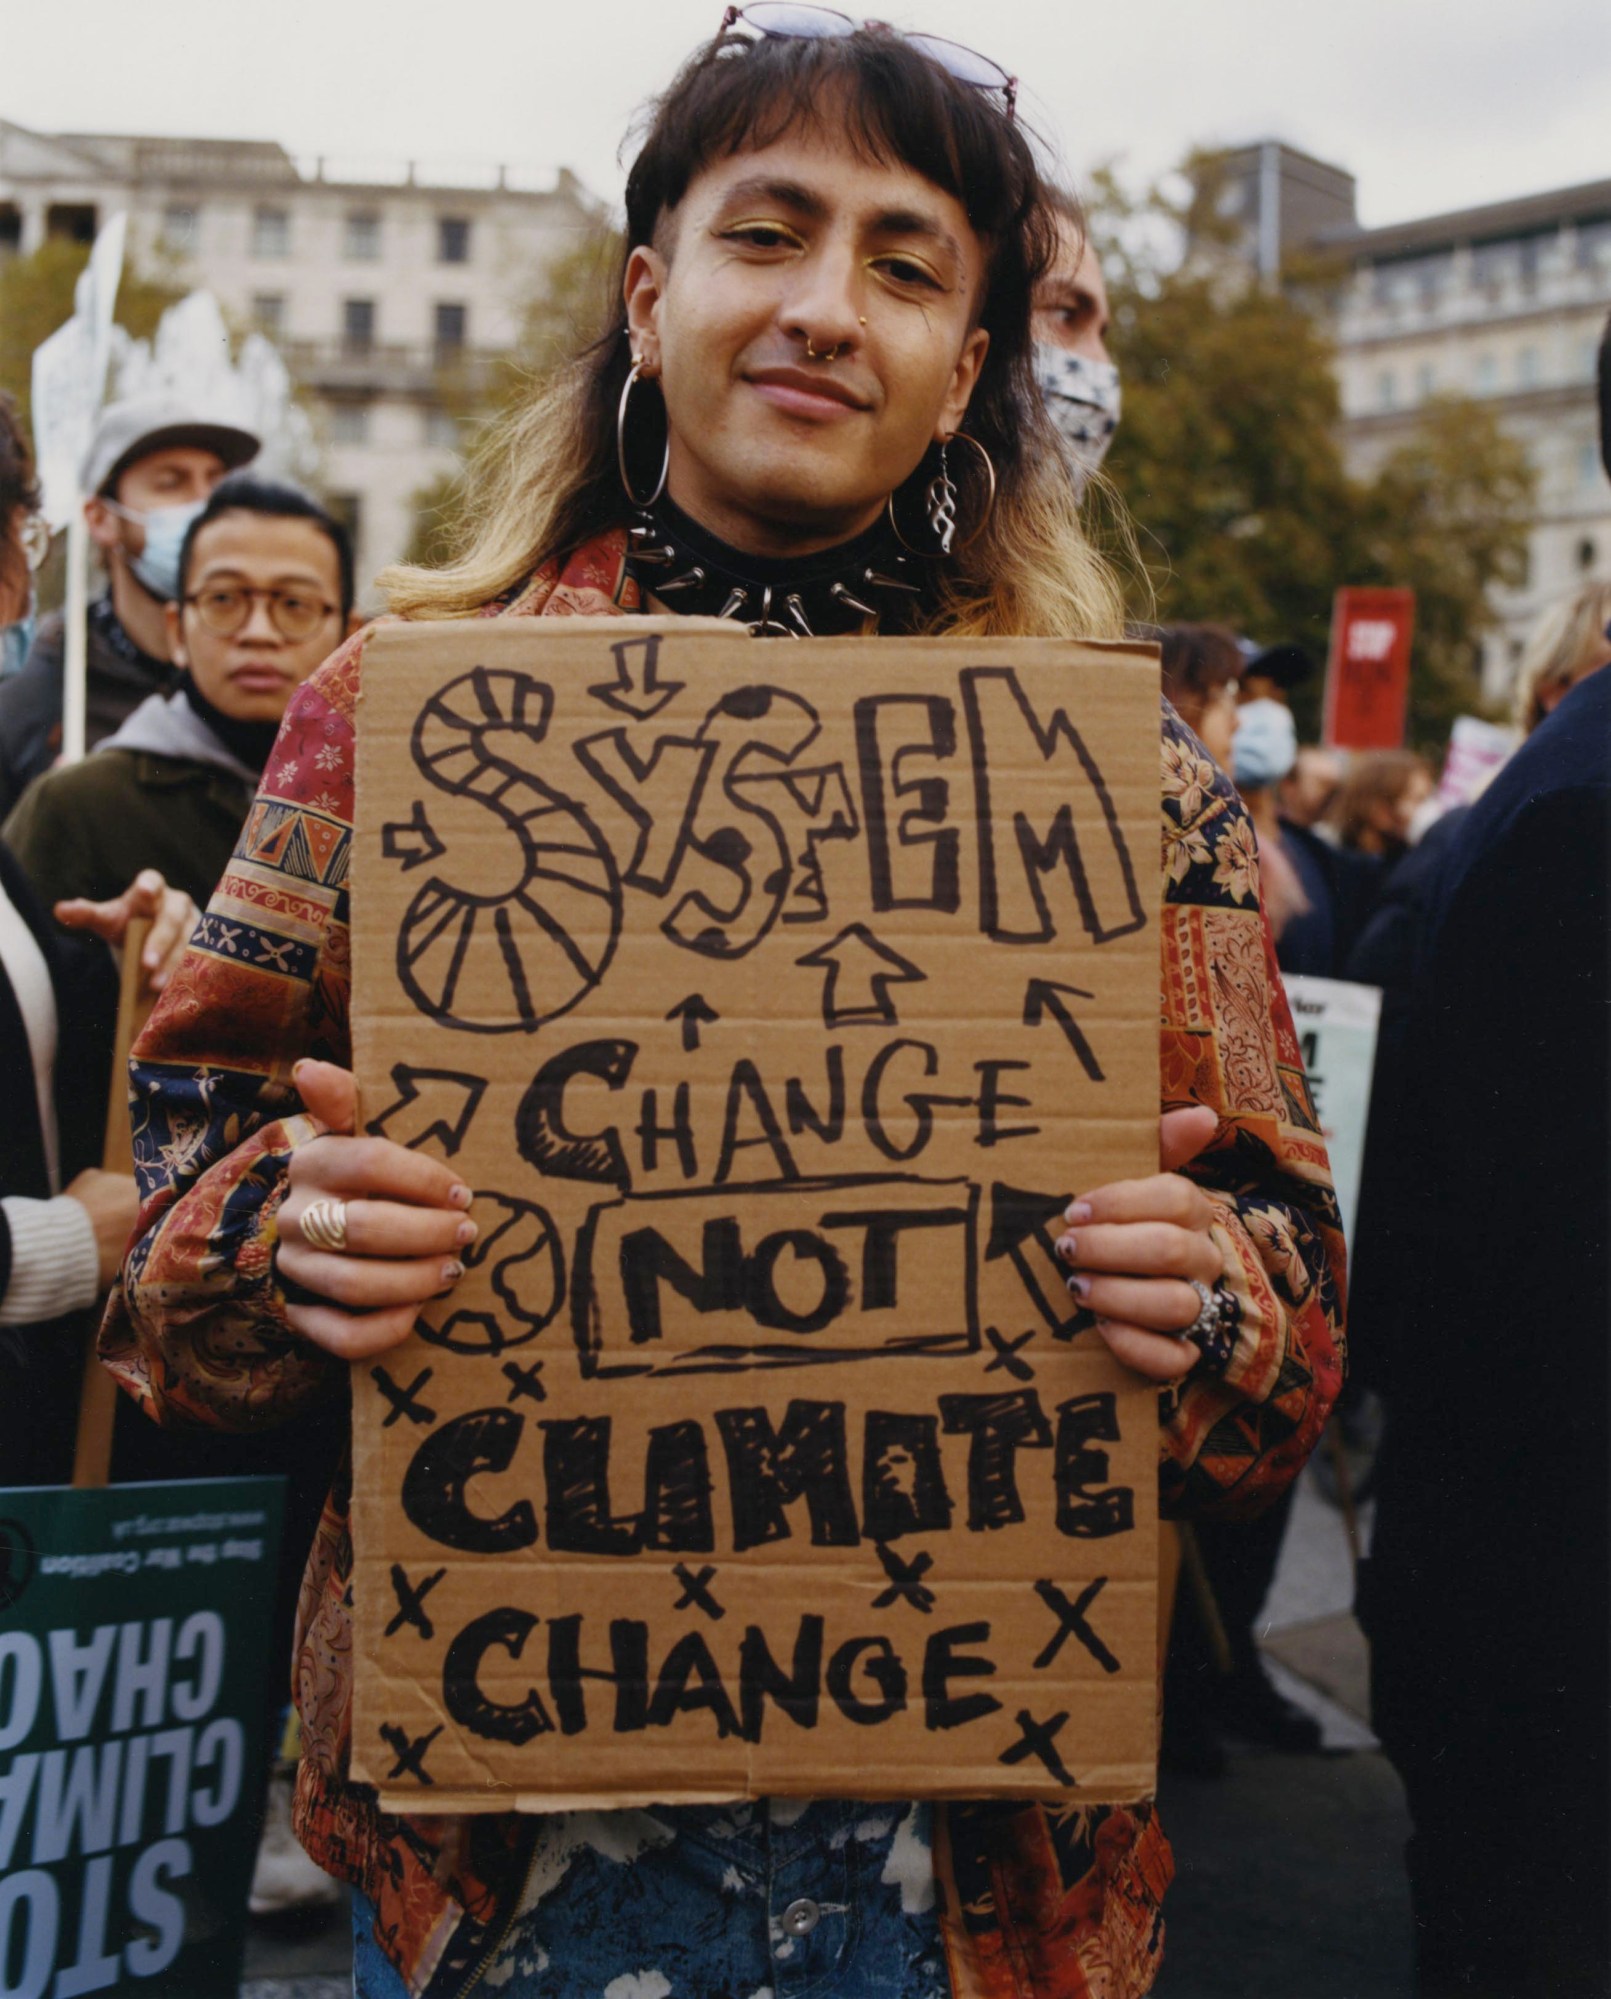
<point>1213,1306</point>
<point>324,1225</point>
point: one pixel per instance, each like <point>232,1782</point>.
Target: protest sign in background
<point>774,999</point>
<point>1337,1023</point>
<point>134,1678</point>
<point>1368,669</point>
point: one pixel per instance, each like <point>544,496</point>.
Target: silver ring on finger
<point>1214,1308</point>
<point>324,1225</point>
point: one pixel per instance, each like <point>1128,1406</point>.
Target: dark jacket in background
<point>163,792</point>
<point>1485,1595</point>
<point>118,678</point>
<point>40,1365</point>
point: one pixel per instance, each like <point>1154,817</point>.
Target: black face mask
<point>868,584</point>
<point>249,742</point>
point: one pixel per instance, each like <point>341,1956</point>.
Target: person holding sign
<point>813,412</point>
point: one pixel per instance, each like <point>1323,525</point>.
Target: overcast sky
<point>1431,104</point>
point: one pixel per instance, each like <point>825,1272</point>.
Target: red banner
<point>1368,669</point>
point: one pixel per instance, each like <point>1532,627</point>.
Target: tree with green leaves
<point>36,296</point>
<point>1230,462</point>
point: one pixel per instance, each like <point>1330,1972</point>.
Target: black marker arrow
<point>860,972</point>
<point>635,689</point>
<point>694,1012</point>
<point>1019,1217</point>
<point>411,840</point>
<point>1042,997</point>
<point>439,1104</point>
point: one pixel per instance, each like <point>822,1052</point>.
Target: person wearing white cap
<point>151,464</point>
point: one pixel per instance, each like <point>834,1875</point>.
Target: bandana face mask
<point>1083,402</point>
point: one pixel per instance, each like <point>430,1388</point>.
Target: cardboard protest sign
<point>774,999</point>
<point>1337,1023</point>
<point>134,1669</point>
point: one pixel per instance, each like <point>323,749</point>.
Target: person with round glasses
<point>811,410</point>
<point>264,593</point>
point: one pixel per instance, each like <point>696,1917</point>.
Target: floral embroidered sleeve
<point>1240,1427</point>
<point>197,1332</point>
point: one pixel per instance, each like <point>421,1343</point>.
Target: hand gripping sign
<point>775,1000</point>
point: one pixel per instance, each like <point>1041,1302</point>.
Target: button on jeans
<point>775,1900</point>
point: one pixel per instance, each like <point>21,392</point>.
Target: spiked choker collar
<point>867,585</point>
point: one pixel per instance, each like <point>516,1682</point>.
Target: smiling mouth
<point>801,394</point>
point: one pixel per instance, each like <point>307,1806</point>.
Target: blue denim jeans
<point>775,1900</point>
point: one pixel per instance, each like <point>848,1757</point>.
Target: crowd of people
<point>840,258</point>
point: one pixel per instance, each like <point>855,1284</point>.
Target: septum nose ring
<point>832,353</point>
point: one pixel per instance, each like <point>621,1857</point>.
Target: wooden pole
<point>97,1398</point>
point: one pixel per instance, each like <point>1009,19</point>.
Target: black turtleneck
<point>250,742</point>
<point>867,584</point>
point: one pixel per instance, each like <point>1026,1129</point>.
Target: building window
<point>1586,554</point>
<point>1594,244</point>
<point>271,232</point>
<point>453,239</point>
<point>1386,389</point>
<point>268,313</point>
<point>70,222</point>
<point>1494,264</point>
<point>10,229</point>
<point>442,430</point>
<point>451,330</point>
<point>1527,368</point>
<point>1588,465</point>
<point>1425,380</point>
<point>357,325</point>
<point>181,226</point>
<point>349,423</point>
<point>1487,374</point>
<point>360,243</point>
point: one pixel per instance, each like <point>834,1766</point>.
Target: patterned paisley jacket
<point>1055,1903</point>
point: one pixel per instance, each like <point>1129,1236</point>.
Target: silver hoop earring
<point>940,504</point>
<point>635,374</point>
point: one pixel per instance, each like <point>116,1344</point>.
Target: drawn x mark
<point>410,1752</point>
<point>1036,1739</point>
<point>1071,1619</point>
<point>403,1399</point>
<point>696,1590</point>
<point>524,1380</point>
<point>1007,1352</point>
<point>905,1580</point>
<point>411,1601</point>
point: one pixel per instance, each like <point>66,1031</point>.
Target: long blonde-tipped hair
<point>1569,639</point>
<point>545,479</point>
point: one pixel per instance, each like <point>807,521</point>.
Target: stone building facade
<point>1504,303</point>
<point>390,298</point>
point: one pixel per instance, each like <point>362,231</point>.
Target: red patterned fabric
<point>1038,1904</point>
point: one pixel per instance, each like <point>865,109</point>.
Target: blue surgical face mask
<point>1083,401</point>
<point>16,641</point>
<point>157,564</point>
<point>1265,746</point>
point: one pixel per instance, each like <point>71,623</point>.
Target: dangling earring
<point>940,504</point>
<point>635,374</point>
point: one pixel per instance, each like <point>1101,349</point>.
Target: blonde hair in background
<point>1032,572</point>
<point>1567,641</point>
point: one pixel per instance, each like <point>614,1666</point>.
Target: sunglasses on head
<point>780,21</point>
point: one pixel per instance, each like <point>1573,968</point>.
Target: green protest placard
<point>134,1629</point>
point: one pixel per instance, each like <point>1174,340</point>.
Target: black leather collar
<point>863,586</point>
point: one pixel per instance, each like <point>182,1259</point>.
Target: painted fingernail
<point>1080,1286</point>
<point>460,1197</point>
<point>1077,1212</point>
<point>452,1272</point>
<point>1068,1247</point>
<point>467,1232</point>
